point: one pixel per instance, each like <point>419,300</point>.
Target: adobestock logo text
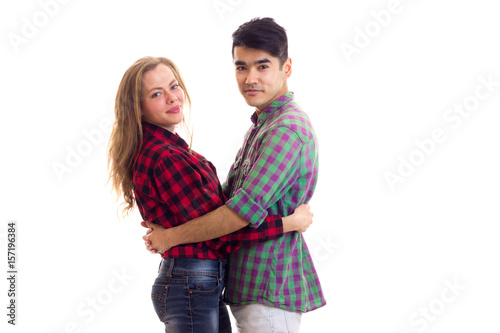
<point>84,147</point>
<point>454,117</point>
<point>363,36</point>
<point>31,25</point>
<point>421,319</point>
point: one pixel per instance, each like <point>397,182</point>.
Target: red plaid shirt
<point>173,186</point>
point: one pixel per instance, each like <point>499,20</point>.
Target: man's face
<point>260,77</point>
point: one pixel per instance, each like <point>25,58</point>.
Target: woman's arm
<point>272,228</point>
<point>217,223</point>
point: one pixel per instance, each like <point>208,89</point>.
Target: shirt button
<point>261,121</point>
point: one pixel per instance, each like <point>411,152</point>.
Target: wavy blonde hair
<point>126,137</point>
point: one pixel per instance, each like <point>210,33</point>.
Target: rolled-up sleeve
<point>275,169</point>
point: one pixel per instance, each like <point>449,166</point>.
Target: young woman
<point>153,167</point>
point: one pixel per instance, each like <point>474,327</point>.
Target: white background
<point>385,256</point>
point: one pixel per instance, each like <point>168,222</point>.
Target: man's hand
<point>299,221</point>
<point>156,238</point>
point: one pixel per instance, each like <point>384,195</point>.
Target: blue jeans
<point>187,296</point>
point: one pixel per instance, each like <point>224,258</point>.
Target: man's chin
<point>252,102</point>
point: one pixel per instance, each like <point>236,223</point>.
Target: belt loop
<point>220,269</point>
<point>171,267</point>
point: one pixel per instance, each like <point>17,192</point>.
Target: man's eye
<point>264,67</point>
<point>240,68</point>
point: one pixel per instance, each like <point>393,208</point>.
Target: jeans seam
<point>194,273</point>
<point>271,317</point>
<point>285,315</point>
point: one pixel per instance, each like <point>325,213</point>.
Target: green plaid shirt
<point>275,170</point>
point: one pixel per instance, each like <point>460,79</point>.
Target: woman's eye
<point>175,86</point>
<point>156,94</point>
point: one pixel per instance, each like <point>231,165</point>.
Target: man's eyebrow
<point>262,61</point>
<point>258,62</point>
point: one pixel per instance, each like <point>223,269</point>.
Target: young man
<point>274,282</point>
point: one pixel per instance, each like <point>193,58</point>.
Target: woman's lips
<point>175,109</point>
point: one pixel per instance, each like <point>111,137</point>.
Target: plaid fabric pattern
<point>275,170</point>
<point>173,186</point>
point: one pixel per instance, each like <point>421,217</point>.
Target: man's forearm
<point>217,223</point>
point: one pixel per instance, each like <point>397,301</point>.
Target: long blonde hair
<point>126,138</point>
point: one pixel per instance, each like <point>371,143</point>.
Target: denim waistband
<point>188,266</point>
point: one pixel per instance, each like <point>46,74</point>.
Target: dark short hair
<point>263,34</point>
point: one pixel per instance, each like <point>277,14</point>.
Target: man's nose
<point>252,77</point>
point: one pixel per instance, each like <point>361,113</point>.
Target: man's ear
<point>287,67</point>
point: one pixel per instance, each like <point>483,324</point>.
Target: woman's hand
<point>156,238</point>
<point>299,221</point>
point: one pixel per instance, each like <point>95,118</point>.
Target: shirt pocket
<point>208,176</point>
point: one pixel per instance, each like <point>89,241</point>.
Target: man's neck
<point>261,108</point>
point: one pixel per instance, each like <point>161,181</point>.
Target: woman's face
<point>162,99</point>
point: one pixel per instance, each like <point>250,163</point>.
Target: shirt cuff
<point>247,208</point>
